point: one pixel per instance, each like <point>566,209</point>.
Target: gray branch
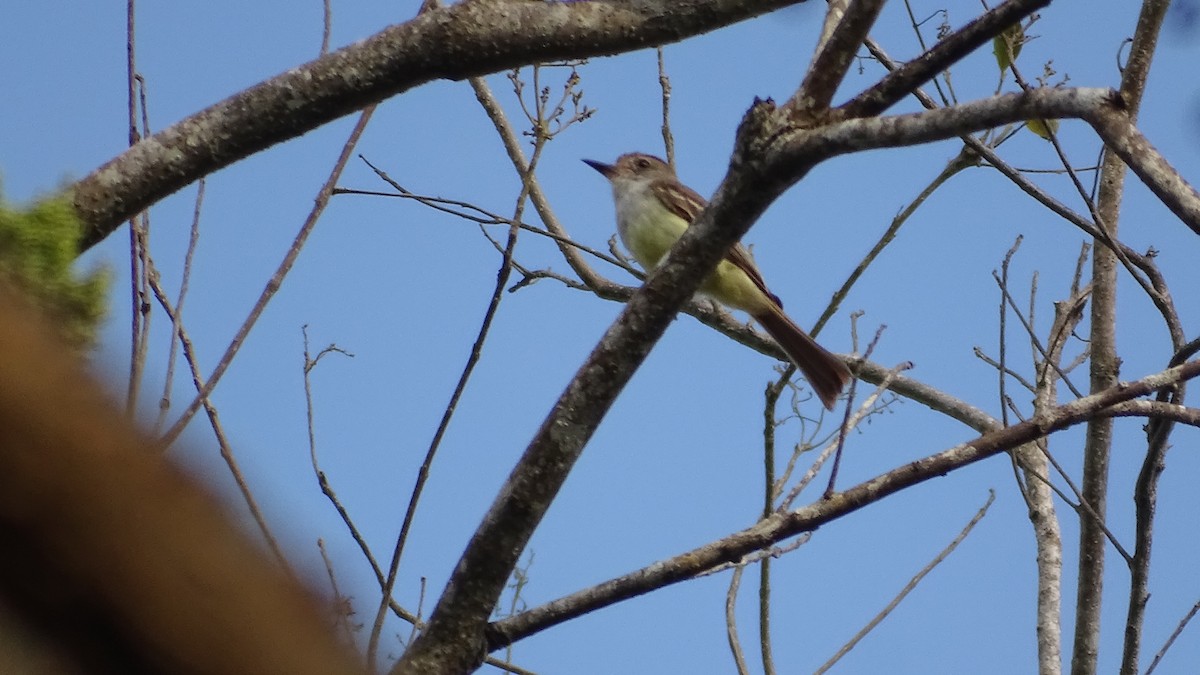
<point>456,42</point>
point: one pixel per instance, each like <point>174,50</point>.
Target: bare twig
<point>164,403</point>
<point>846,26</point>
<point>850,421</point>
<point>139,224</point>
<point>1034,340</point>
<point>453,42</point>
<point>310,363</point>
<point>326,25</point>
<point>904,79</point>
<point>210,410</point>
<point>863,411</point>
<point>539,123</point>
<point>479,215</point>
<point>735,645</point>
<point>910,586</point>
<point>947,97</point>
<point>664,83</point>
<point>1171,640</point>
<point>783,525</point>
<point>770,400</point>
<point>276,280</point>
<point>343,610</point>
<point>963,160</point>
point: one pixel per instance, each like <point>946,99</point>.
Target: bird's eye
<point>643,163</point>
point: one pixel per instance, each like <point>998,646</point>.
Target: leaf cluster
<point>38,247</point>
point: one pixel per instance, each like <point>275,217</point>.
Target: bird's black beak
<point>605,170</point>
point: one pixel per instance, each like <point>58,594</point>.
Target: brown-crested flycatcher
<point>653,211</point>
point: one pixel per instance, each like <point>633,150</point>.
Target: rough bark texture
<point>1105,361</point>
<point>455,42</point>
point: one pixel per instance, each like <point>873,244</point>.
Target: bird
<point>654,209</point>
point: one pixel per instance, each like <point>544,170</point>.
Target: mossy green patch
<point>38,248</point>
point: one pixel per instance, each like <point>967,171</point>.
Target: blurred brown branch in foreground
<point>111,560</point>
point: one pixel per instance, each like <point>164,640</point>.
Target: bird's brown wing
<point>687,204</point>
<point>679,199</point>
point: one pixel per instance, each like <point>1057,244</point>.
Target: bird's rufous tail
<point>824,371</point>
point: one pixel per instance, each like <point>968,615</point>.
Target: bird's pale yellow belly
<point>650,233</point>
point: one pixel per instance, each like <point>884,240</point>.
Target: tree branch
<point>454,640</point>
<point>782,526</point>
<point>770,155</point>
<point>904,80</point>
<point>835,53</point>
<point>455,42</point>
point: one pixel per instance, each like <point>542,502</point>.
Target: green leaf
<point>38,248</point>
<point>1007,45</point>
<point>1043,128</point>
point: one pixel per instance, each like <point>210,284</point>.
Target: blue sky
<point>677,463</point>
